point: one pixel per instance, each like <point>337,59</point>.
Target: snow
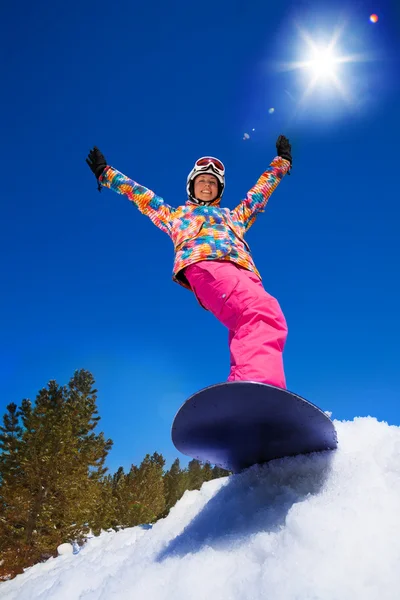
<point>65,549</point>
<point>319,527</point>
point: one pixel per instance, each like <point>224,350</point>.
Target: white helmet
<point>206,164</point>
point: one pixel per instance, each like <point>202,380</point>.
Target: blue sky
<point>86,279</point>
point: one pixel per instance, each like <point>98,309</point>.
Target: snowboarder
<point>213,260</point>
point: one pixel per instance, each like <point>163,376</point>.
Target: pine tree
<point>207,472</point>
<point>195,476</point>
<point>123,499</point>
<point>117,477</point>
<point>9,439</point>
<point>13,494</point>
<point>145,491</point>
<point>52,467</point>
<point>175,485</point>
<point>218,472</point>
<point>104,514</point>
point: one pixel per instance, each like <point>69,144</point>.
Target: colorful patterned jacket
<point>202,232</point>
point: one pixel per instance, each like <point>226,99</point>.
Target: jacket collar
<point>201,203</point>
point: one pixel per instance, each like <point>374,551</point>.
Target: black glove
<point>96,161</point>
<point>283,148</point>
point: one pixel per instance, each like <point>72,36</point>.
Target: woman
<point>213,259</point>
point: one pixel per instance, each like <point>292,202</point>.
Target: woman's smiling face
<point>206,187</point>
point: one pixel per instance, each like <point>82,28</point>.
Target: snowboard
<point>237,424</point>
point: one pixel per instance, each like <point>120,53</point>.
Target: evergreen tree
<point>13,494</point>
<point>195,475</point>
<point>117,477</point>
<point>104,515</point>
<point>139,495</point>
<point>51,468</point>
<point>219,472</point>
<point>207,472</point>
<point>123,499</point>
<point>10,435</point>
<point>175,485</point>
<point>146,486</point>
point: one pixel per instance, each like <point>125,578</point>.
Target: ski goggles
<point>209,161</point>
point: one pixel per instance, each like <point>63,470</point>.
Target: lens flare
<point>373,18</point>
<point>325,64</point>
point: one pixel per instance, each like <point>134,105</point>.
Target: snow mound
<point>319,527</point>
<point>65,549</point>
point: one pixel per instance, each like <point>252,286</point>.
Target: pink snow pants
<point>256,324</point>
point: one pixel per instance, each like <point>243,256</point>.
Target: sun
<point>322,64</point>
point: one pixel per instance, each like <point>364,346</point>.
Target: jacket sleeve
<point>257,198</point>
<point>147,202</point>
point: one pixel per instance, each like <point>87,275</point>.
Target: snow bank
<point>318,527</point>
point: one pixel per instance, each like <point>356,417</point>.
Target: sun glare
<point>321,64</point>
